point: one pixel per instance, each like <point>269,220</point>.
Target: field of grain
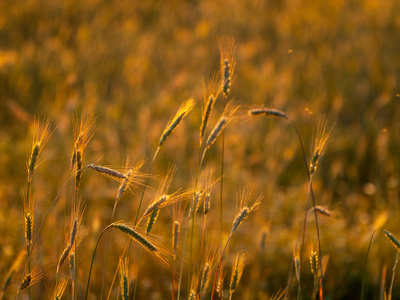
<point>224,128</point>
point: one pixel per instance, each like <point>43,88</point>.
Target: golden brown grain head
<point>237,271</point>
<point>223,121</point>
<point>211,89</point>
<point>210,262</point>
<point>60,288</point>
<point>124,278</point>
<point>244,206</point>
<point>321,137</point>
<point>152,219</point>
<point>313,261</point>
<point>41,136</point>
<point>227,61</point>
<point>183,110</point>
<point>134,179</point>
<point>158,251</point>
<point>77,232</point>
<point>206,181</point>
<point>267,112</point>
<point>28,217</point>
<point>63,257</point>
<point>84,130</point>
<point>107,171</point>
<point>32,278</point>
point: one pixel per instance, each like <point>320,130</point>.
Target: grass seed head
<point>267,112</point>
<point>393,239</point>
<point>211,89</point>
<point>321,137</point>
<point>32,278</point>
<point>237,272</point>
<point>224,120</point>
<point>40,138</point>
<point>228,62</point>
<point>183,110</point>
<point>124,278</point>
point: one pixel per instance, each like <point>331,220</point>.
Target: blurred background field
<point>132,63</point>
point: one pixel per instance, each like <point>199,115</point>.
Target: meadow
<point>241,122</point>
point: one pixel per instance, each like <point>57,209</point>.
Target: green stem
<point>365,263</point>
<point>393,274</point>
<point>93,256</point>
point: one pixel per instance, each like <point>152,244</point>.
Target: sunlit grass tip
<point>211,89</point>
<point>183,110</point>
<point>237,272</point>
<point>31,278</point>
<point>223,121</point>
<point>227,61</point>
<point>320,139</point>
<point>244,207</point>
<point>40,138</point>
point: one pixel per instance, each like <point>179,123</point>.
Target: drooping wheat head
<point>40,138</point>
<point>159,252</point>
<point>107,171</point>
<point>321,137</point>
<point>183,110</point>
<point>237,272</point>
<point>392,239</point>
<point>227,61</point>
<point>267,112</point>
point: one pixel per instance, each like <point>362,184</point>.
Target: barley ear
<point>183,110</point>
